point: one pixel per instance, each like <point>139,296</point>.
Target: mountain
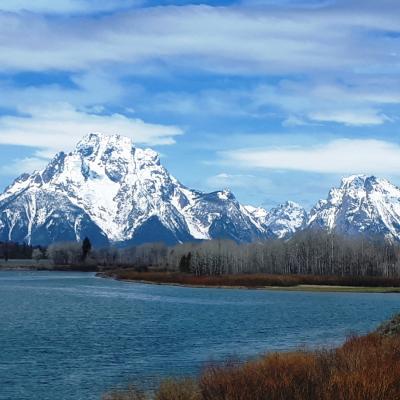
<point>361,205</point>
<point>114,192</point>
<point>111,191</point>
<point>280,222</point>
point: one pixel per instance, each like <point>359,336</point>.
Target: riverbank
<point>43,265</point>
<point>363,368</point>
<point>261,281</point>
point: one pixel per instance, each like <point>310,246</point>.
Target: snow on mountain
<point>280,222</point>
<point>361,205</point>
<point>112,191</point>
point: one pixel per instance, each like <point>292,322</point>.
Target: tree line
<point>306,253</point>
<point>21,251</point>
<point>63,253</point>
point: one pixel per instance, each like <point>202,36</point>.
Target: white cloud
<point>359,102</point>
<point>355,103</point>
<point>221,39</point>
<point>350,117</point>
<point>93,89</point>
<point>326,43</point>
<point>224,180</point>
<point>60,126</point>
<point>343,156</point>
<point>64,6</point>
<point>20,166</point>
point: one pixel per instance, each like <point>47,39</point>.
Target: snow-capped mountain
<point>280,222</point>
<point>112,191</point>
<point>361,205</point>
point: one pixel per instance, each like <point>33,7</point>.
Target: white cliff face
<point>361,205</point>
<point>123,193</point>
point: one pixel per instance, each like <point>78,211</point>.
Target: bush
<point>185,389</point>
<point>364,368</point>
<point>390,328</point>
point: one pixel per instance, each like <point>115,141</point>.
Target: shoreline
<point>321,288</point>
<point>46,268</point>
<point>295,288</point>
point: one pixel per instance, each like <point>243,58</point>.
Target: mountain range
<point>114,192</point>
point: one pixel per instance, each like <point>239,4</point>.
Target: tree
<point>86,247</point>
<point>68,253</point>
<point>37,255</point>
<point>184,263</point>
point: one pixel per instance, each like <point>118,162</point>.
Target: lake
<point>70,336</point>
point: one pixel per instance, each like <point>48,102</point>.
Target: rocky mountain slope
<point>361,205</point>
<point>280,222</point>
<point>114,192</point>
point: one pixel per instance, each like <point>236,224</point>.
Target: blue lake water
<point>71,336</point>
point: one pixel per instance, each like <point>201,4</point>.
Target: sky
<point>274,100</point>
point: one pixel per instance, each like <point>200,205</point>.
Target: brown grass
<point>185,389</point>
<point>251,280</point>
<point>364,368</point>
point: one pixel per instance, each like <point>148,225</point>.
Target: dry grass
<point>252,280</point>
<point>185,389</point>
<point>364,368</point>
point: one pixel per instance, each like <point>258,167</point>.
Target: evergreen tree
<point>86,247</point>
<point>184,263</point>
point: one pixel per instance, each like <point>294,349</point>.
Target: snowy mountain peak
<point>112,191</point>
<point>109,189</point>
<point>281,221</point>
<point>286,219</point>
<point>361,181</point>
<point>362,204</point>
<point>225,194</point>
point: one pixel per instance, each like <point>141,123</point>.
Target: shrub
<point>363,368</point>
<point>185,389</point>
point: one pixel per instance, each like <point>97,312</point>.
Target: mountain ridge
<point>114,192</point>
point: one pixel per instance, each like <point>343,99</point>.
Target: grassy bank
<point>364,368</point>
<point>263,281</point>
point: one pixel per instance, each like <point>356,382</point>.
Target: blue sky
<point>276,100</point>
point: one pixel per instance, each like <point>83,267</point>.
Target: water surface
<point>70,336</point>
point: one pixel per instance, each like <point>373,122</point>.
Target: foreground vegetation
<point>364,368</point>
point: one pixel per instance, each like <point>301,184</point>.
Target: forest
<point>306,253</point>
<point>21,251</point>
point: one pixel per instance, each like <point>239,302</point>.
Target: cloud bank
<point>60,126</point>
<point>66,6</point>
<point>221,39</point>
<point>342,156</point>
